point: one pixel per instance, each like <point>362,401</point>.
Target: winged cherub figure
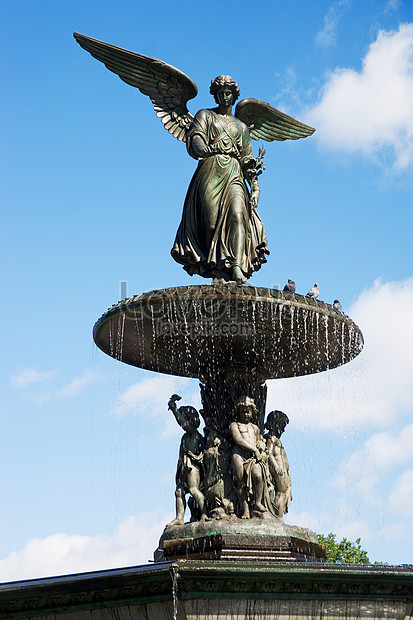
<point>221,234</point>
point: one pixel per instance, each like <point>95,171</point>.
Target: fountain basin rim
<point>230,290</point>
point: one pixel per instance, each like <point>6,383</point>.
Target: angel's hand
<point>255,194</point>
<point>250,163</point>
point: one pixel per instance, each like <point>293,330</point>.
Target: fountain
<point>236,557</point>
<point>228,334</point>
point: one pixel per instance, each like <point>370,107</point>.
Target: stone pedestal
<point>242,547</point>
<point>268,539</point>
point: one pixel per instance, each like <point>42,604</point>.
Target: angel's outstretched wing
<point>268,123</point>
<point>168,88</point>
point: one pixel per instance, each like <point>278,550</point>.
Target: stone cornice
<point>205,579</point>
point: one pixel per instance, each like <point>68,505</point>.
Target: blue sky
<point>92,192</point>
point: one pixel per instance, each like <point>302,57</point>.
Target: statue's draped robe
<point>188,461</point>
<point>219,228</point>
<point>249,461</point>
<point>280,473</point>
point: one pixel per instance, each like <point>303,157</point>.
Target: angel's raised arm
<point>168,88</point>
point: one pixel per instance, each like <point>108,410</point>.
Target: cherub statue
<point>218,478</point>
<point>249,461</point>
<point>189,469</point>
<point>221,234</point>
<point>277,461</point>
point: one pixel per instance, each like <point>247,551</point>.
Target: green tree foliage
<point>343,552</point>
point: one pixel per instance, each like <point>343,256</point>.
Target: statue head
<point>245,409</point>
<point>276,422</point>
<point>224,81</point>
<point>213,439</point>
<point>191,416</point>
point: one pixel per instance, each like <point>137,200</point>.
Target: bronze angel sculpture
<point>221,234</point>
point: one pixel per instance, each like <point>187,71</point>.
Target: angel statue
<point>221,234</point>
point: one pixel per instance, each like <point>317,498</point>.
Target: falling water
<point>305,318</point>
<point>111,340</point>
<point>253,323</point>
<point>292,332</point>
<point>139,331</point>
<point>342,343</point>
<point>325,319</point>
<point>119,337</point>
<point>153,324</point>
<point>174,576</point>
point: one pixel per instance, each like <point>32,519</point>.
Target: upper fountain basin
<point>197,331</point>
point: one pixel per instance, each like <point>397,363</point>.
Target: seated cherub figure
<point>278,462</point>
<point>189,469</point>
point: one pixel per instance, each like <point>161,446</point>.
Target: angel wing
<point>168,88</point>
<point>268,123</point>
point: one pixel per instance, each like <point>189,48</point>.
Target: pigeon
<point>289,287</point>
<point>337,305</point>
<point>314,292</point>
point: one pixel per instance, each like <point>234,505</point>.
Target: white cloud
<point>30,376</point>
<point>370,111</point>
<point>77,385</point>
<point>365,468</point>
<point>401,498</point>
<point>392,5</point>
<point>394,532</point>
<point>288,95</point>
<point>340,521</point>
<point>150,397</point>
<point>377,386</point>
<point>132,543</point>
<point>351,529</point>
<point>327,36</point>
<point>73,388</point>
<point>150,394</point>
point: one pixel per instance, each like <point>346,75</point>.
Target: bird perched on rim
<point>289,287</point>
<point>314,292</point>
<point>337,305</point>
